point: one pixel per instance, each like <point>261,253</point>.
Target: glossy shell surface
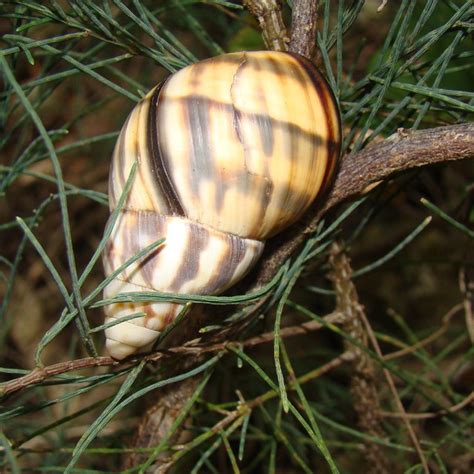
<point>230,151</point>
<point>259,129</point>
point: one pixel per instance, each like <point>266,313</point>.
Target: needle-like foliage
<point>274,384</point>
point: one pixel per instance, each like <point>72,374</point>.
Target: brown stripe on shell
<point>118,167</point>
<point>281,70</point>
<point>150,224</point>
<point>327,98</point>
<point>266,129</point>
<point>188,268</point>
<point>262,120</point>
<point>145,163</point>
<point>264,124</point>
<point>201,144</point>
<point>157,160</point>
<point>194,118</point>
<point>235,253</point>
<point>265,63</point>
<point>299,72</point>
<point>131,228</point>
<point>253,117</point>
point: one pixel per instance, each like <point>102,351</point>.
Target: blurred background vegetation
<point>71,72</point>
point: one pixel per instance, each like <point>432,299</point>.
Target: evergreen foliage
<point>72,70</point>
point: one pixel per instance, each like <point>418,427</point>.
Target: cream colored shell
<point>230,151</point>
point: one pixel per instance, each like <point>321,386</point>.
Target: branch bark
<point>304,22</point>
<point>402,151</point>
<point>270,19</point>
<point>363,380</point>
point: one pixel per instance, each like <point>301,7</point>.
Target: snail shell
<point>230,151</point>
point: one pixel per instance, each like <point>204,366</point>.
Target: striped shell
<point>230,151</point>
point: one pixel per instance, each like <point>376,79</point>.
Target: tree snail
<point>230,151</point>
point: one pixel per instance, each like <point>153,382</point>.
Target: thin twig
<point>466,285</point>
<point>333,318</point>
<point>39,375</point>
<point>398,402</point>
<point>269,16</point>
<point>424,416</point>
<point>400,152</point>
<point>427,340</point>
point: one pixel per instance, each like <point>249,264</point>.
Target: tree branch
<point>361,170</point>
<point>39,375</point>
<point>304,22</point>
<point>269,16</point>
<point>363,380</point>
<point>399,152</point>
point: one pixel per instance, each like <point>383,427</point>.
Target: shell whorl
<point>261,129</point>
<point>194,259</point>
<point>230,151</point>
